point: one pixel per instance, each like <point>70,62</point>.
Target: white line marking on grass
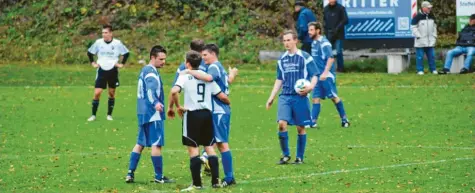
<point>409,146</point>
<point>269,86</point>
<point>5,156</point>
<point>353,170</point>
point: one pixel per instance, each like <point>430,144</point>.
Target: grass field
<point>409,134</point>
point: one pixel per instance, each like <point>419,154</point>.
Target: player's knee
<point>210,150</point>
<point>138,148</point>
<point>282,126</point>
<point>336,100</point>
<point>316,100</point>
<point>111,94</point>
<point>223,147</point>
<point>194,151</point>
<point>301,130</point>
<point>156,150</point>
<point>97,94</point>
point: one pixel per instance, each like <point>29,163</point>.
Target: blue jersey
<point>292,67</point>
<point>182,67</point>
<point>149,93</point>
<point>321,51</point>
<point>220,76</point>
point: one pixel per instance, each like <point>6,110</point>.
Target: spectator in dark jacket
<point>305,16</point>
<point>465,45</point>
<point>335,17</point>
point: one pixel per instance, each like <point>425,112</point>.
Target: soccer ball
<point>301,84</point>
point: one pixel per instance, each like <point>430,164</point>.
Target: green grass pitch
<point>409,134</point>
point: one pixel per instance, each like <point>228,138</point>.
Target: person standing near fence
<point>305,16</point>
<point>335,18</point>
<point>424,30</point>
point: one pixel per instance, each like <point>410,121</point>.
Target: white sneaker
<point>420,73</point>
<point>435,72</point>
<point>92,118</point>
<point>109,118</point>
<point>191,188</point>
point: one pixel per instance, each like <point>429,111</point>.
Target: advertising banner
<point>465,8</point>
<point>378,19</point>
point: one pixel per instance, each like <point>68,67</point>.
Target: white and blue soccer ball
<point>301,84</point>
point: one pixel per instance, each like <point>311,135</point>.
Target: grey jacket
<point>424,30</point>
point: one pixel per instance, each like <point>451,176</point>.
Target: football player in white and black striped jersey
<point>108,51</point>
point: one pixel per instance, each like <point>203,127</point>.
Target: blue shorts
<point>221,125</point>
<point>326,89</point>
<point>151,133</point>
<point>294,109</point>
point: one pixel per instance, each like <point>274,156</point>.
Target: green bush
<point>64,29</point>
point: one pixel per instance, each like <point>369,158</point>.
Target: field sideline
<point>409,134</point>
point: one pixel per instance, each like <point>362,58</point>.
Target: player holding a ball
<point>326,87</point>
<point>293,109</point>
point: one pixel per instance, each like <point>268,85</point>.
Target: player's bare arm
<point>175,100</point>
<point>124,60</point>
<point>275,90</point>
<point>224,98</point>
<point>199,75</point>
<point>329,65</point>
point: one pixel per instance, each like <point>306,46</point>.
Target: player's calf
<point>341,111</point>
<point>134,160</point>
<point>214,166</point>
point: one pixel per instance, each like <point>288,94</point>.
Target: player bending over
<point>222,111</point>
<point>151,116</point>
<point>293,108</point>
<point>326,87</point>
<point>197,119</point>
<point>108,50</point>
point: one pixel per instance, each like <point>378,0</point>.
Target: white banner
<point>465,7</point>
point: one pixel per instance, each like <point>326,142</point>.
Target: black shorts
<point>198,128</point>
<point>106,78</point>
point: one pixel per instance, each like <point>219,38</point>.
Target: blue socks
<point>227,160</point>
<point>341,110</point>
<point>284,143</point>
<point>301,143</point>
<point>134,160</point>
<point>158,166</point>
<point>315,112</point>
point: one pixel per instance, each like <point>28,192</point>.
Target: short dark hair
<point>287,32</point>
<point>157,49</point>
<point>299,3</point>
<point>212,48</point>
<point>316,25</point>
<point>107,26</point>
<point>197,45</point>
<point>472,17</point>
<point>194,58</point>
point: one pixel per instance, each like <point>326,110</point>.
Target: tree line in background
<point>68,24</point>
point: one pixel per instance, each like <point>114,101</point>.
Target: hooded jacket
<point>305,16</point>
<point>424,30</point>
